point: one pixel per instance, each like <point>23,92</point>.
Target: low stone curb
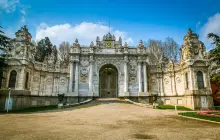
<point>199,119</point>
<point>139,104</point>
<point>80,103</point>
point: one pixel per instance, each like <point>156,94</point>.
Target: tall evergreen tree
<point>4,44</point>
<point>214,56</point>
<point>44,49</point>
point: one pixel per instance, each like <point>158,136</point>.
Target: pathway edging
<point>198,119</point>
<point>139,104</point>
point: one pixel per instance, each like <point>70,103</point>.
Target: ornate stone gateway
<point>108,77</point>
<point>108,68</point>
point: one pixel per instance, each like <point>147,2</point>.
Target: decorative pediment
<point>199,63</point>
<point>13,62</point>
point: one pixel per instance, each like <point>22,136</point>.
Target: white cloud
<point>23,12</point>
<point>23,19</point>
<point>85,32</point>
<point>198,24</point>
<point>212,26</point>
<point>8,6</point>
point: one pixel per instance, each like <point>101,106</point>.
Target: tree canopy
<point>165,51</point>
<point>44,49</point>
<point>214,56</point>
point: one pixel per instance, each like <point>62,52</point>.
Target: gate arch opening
<point>108,81</point>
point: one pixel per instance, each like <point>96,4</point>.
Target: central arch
<point>108,81</point>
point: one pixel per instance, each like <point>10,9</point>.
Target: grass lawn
<point>173,107</point>
<point>217,107</point>
<point>34,109</point>
<point>195,115</point>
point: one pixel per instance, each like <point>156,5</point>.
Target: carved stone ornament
<point>153,81</point>
<point>84,72</point>
<point>84,63</point>
<point>62,82</point>
<point>49,80</point>
<point>178,80</point>
<point>166,81</point>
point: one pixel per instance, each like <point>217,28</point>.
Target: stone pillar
<point>161,85</point>
<point>205,80</point>
<point>71,77</point>
<point>21,80</point>
<point>173,83</point>
<point>125,77</point>
<point>90,79</point>
<point>145,78</point>
<point>191,81</point>
<point>77,77</point>
<point>139,77</point>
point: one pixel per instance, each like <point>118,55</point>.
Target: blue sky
<point>134,20</point>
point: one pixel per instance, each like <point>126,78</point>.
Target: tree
<point>214,56</point>
<point>64,51</point>
<point>44,49</point>
<point>171,49</point>
<point>4,44</point>
<point>55,53</point>
<point>154,47</point>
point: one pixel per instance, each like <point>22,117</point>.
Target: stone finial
<point>25,28</point>
<point>23,34</point>
<point>103,38</point>
<point>141,45</point>
<point>120,40</point>
<point>113,37</point>
<point>97,39</point>
<point>140,42</point>
<point>189,32</point>
<point>126,45</point>
<point>76,41</point>
<point>92,44</point>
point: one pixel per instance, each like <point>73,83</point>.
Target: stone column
<point>139,77</point>
<point>90,78</point>
<point>125,77</point>
<point>77,77</point>
<point>162,86</point>
<point>205,80</point>
<point>173,83</point>
<point>21,80</point>
<point>145,78</point>
<point>191,81</point>
<point>71,77</point>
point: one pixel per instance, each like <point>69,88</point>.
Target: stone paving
<point>105,119</point>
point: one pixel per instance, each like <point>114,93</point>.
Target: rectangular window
<point>167,101</point>
<point>179,101</point>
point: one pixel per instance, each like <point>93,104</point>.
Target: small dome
<point>108,35</point>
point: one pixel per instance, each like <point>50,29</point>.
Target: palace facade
<point>106,68</point>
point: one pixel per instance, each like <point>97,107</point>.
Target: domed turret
<point>109,37</point>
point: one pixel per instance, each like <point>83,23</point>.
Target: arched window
<point>200,80</point>
<point>26,80</point>
<point>12,79</point>
<point>187,82</point>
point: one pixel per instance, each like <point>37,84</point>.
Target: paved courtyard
<point>105,119</point>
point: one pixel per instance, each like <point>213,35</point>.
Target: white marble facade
<point>174,83</point>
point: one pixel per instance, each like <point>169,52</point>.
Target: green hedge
<point>34,109</point>
<point>173,107</point>
<point>217,107</point>
<point>195,115</point>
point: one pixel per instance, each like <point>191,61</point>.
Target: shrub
<point>173,107</point>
